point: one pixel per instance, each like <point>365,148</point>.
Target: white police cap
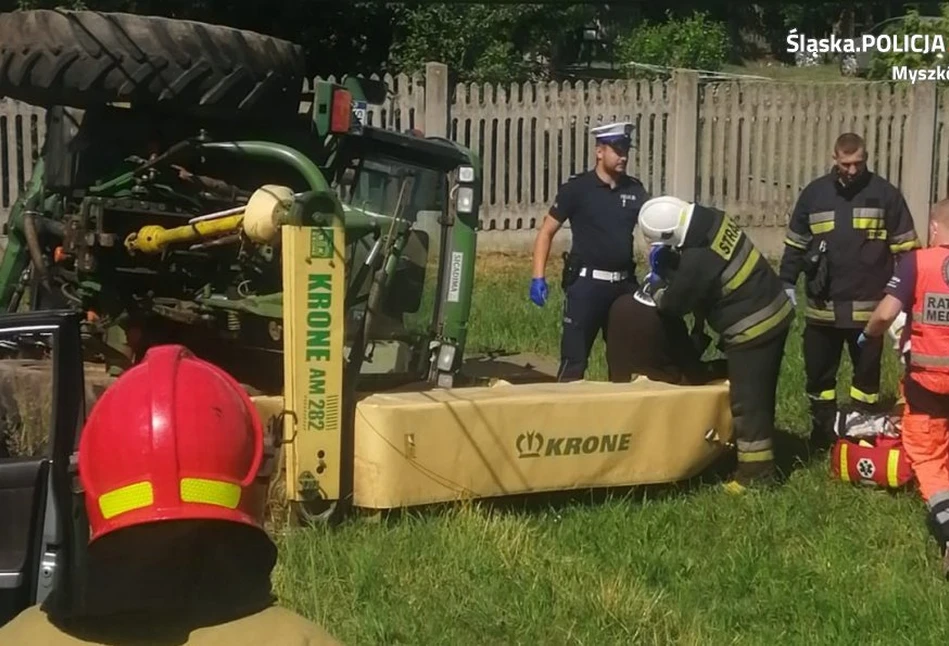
<point>613,132</point>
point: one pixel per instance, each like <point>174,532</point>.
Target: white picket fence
<point>745,146</point>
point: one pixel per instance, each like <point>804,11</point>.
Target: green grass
<point>814,561</point>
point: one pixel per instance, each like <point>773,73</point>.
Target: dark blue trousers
<point>586,311</point>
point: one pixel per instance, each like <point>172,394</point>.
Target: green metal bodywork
<point>406,161</point>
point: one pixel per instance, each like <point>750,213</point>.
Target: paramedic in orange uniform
<point>170,463</point>
<point>920,287</point>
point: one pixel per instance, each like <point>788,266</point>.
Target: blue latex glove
<point>862,339</point>
<point>539,291</point>
<point>655,257</point>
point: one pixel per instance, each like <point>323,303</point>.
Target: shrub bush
<point>693,42</point>
<point>882,63</point>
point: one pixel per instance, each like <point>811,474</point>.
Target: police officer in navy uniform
<point>602,206</point>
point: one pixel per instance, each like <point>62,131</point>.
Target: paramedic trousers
<point>753,383</point>
<point>586,312</point>
<point>925,436</point>
<point>823,346</point>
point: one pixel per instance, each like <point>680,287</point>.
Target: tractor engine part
<point>152,238</point>
<point>267,209</point>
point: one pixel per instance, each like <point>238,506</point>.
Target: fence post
<point>436,100</point>
<point>919,149</point>
<point>683,139</point>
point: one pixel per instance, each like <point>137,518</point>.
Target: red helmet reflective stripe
<point>174,437</point>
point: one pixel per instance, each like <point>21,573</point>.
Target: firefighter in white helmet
<point>704,263</point>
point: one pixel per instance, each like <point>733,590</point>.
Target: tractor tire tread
<point>87,58</point>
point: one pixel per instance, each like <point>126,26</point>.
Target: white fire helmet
<point>665,220</point>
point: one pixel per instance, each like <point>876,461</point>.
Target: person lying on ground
<point>641,340</point>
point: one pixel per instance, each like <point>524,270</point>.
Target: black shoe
<point>821,441</point>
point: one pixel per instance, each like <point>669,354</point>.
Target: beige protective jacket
<point>273,626</point>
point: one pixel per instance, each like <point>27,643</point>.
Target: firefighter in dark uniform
<point>845,234</point>
<point>602,206</point>
<point>712,269</point>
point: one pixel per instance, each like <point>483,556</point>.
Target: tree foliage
<point>488,43</point>
<point>694,42</point>
<point>503,42</point>
<point>882,63</point>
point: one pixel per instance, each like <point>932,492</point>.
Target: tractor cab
<point>429,187</point>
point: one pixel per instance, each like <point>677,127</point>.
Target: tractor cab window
<point>394,188</point>
<point>385,188</point>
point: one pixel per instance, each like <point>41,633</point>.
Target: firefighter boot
<point>823,420</point>
<point>751,473</point>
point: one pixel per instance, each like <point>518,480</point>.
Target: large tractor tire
<point>85,59</point>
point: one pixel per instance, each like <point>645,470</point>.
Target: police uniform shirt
<point>602,219</point>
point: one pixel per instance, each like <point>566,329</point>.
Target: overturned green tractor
<point>167,170</point>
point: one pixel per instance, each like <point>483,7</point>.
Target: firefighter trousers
<point>753,383</point>
<point>823,345</point>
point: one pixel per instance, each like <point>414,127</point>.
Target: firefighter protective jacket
<point>865,226</point>
<point>720,273</point>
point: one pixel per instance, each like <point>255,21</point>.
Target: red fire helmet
<point>175,437</point>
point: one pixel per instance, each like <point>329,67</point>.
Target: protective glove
<point>792,294</point>
<point>539,291</point>
<point>895,331</point>
<point>658,258</point>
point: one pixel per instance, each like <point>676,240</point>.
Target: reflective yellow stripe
<point>766,325</point>
<point>844,474</point>
<point>755,456</point>
<point>824,395</point>
<point>904,246</point>
<point>814,313</point>
<point>821,221</point>
<point>866,398</point>
<point>743,272</point>
<point>892,467</point>
<point>867,223</point>
<point>799,240</point>
<point>210,492</point>
<point>125,499</point>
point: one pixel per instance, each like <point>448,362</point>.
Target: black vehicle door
<point>42,530</point>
